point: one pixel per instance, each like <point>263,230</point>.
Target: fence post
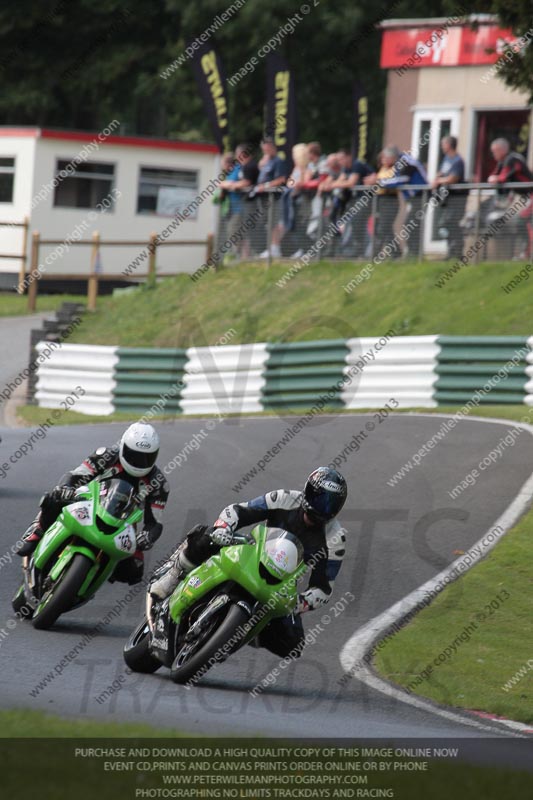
<point>270,220</point>
<point>210,249</point>
<point>477,224</point>
<point>321,225</point>
<point>34,271</point>
<point>375,223</point>
<point>24,259</point>
<point>152,249</point>
<point>420,254</point>
<point>214,240</point>
<point>92,283</point>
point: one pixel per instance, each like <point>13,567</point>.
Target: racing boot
<point>30,538</point>
<point>170,574</point>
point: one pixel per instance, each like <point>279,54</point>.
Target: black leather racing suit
<point>324,548</point>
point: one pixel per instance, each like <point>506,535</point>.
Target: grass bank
<point>245,304</point>
<point>34,415</point>
<point>15,305</point>
<point>471,648</point>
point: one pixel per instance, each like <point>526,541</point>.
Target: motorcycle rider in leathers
<point>133,461</point>
<point>309,515</point>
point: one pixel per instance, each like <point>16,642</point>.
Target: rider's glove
<point>221,535</point>
<point>310,600</point>
<point>149,536</point>
<point>62,494</point>
<point>302,605</point>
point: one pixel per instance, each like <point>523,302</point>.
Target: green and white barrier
<point>298,374</point>
<point>224,380</point>
<point>70,365</point>
<point>146,375</point>
<point>417,371</point>
<point>467,363</point>
<point>403,368</point>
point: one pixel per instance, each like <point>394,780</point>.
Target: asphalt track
<point>398,538</point>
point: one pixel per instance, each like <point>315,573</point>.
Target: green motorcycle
<point>78,553</point>
<point>220,606</point>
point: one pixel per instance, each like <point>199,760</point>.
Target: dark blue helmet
<point>324,493</point>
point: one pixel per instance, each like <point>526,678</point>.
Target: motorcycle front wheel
<point>211,646</point>
<point>63,594</point>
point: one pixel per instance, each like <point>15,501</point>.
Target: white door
<point>429,126</point>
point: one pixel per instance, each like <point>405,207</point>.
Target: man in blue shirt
<point>241,178</point>
<point>408,171</point>
<point>272,170</point>
<point>452,171</point>
<point>240,181</point>
<point>272,175</point>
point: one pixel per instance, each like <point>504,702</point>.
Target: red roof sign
<point>443,45</point>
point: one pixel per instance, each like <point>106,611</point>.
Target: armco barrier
<point>71,365</point>
<point>404,369</point>
<point>467,363</point>
<point>144,374</point>
<point>300,374</point>
<point>416,371</point>
<point>529,372</point>
<point>227,379</point>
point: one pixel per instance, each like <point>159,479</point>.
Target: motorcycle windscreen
<point>282,552</point>
<point>117,498</point>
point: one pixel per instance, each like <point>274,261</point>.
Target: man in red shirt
<point>512,168</point>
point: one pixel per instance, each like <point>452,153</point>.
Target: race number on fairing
<point>125,540</point>
<point>82,511</point>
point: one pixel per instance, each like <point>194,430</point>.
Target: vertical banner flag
<point>360,122</point>
<point>207,67</point>
<point>281,107</point>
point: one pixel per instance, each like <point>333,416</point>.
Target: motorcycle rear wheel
<point>137,653</point>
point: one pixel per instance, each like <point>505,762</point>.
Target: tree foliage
<point>80,64</point>
<point>517,71</point>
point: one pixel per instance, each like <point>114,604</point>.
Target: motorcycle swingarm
<point>31,599</point>
<point>162,634</point>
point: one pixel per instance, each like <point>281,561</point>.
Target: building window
<point>7,179</point>
<point>166,191</point>
<point>83,185</point>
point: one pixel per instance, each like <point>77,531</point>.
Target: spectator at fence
<point>316,166</point>
<point>318,172</point>
<point>295,205</point>
<point>272,175</point>
<point>222,199</point>
<point>387,204</point>
<point>452,206</point>
<point>328,197</point>
<point>512,167</point>
<point>220,196</point>
<point>353,172</point>
<point>242,177</point>
<point>408,171</point>
<point>332,172</point>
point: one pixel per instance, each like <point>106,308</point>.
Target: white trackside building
<point>69,184</point>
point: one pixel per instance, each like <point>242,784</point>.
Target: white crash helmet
<point>139,448</point>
